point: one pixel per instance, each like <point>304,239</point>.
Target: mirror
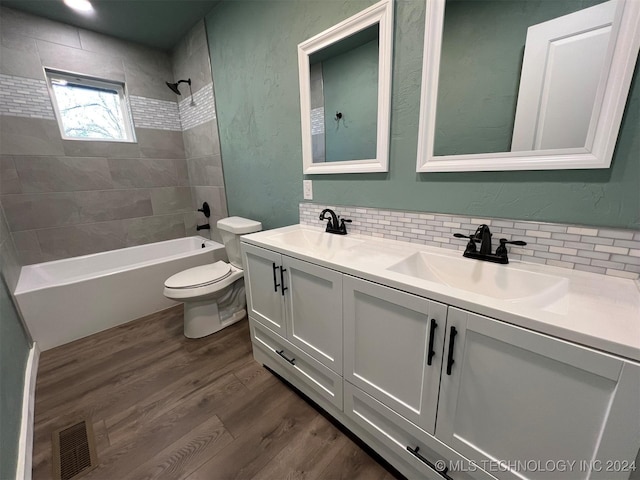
<point>525,84</point>
<point>345,91</point>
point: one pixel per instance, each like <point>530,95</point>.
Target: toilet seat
<point>199,276</point>
<point>199,283</point>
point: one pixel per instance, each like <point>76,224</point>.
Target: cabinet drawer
<point>306,369</point>
<point>397,433</point>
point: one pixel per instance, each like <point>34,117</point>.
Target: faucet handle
<point>502,249</point>
<point>471,246</point>
<point>461,235</point>
<point>520,243</point>
<point>343,227</point>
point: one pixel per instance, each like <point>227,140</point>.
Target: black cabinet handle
<point>292,361</point>
<point>452,339</point>
<point>432,331</point>
<point>275,282</point>
<point>282,287</point>
<point>442,472</point>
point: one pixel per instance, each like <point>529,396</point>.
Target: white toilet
<point>213,294</point>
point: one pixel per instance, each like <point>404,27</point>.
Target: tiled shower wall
<point>65,198</point>
<point>591,249</point>
<point>200,128</point>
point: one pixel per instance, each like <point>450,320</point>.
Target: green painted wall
<point>254,60</point>
<point>350,83</point>
<point>480,70</point>
<point>14,350</point>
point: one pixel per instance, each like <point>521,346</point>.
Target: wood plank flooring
<point>167,407</point>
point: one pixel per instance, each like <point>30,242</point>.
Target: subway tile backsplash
<point>605,251</point>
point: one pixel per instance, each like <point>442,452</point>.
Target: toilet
<point>213,294</point>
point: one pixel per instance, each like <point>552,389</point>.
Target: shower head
<point>174,86</point>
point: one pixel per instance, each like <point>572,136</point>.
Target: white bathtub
<point>69,299</point>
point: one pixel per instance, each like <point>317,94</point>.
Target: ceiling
<point>155,23</point>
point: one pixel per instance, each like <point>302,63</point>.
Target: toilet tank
<point>231,229</point>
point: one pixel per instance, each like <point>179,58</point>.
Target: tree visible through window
<point>89,109</point>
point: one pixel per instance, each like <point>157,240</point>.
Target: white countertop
<point>597,311</point>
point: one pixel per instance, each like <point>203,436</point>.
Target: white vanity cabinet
<point>441,392</point>
<point>300,301</point>
<point>393,348</point>
<point>514,395</point>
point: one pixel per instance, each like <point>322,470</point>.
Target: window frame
<point>88,81</point>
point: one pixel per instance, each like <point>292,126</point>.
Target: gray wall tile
<point>171,200</point>
<point>195,39</point>
<point>100,206</point>
<point>79,148</point>
<point>160,143</point>
<point>146,69</point>
<point>4,226</point>
<point>190,57</point>
<point>19,56</point>
<point>63,174</point>
<point>62,196</point>
<point>64,242</point>
<point>29,136</point>
<point>139,231</point>
<point>202,140</point>
<point>9,264</point>
<point>76,60</point>
<point>27,247</point>
<point>147,79</point>
<point>214,196</point>
<point>143,172</point>
<point>40,210</point>
<point>9,181</point>
<point>182,172</point>
<point>206,171</point>
<point>190,221</point>
<point>195,66</point>
<point>19,23</point>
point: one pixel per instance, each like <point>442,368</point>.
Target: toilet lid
<point>199,276</point>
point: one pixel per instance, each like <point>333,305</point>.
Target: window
<point>90,109</point>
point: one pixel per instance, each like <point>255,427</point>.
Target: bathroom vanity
<point>450,367</point>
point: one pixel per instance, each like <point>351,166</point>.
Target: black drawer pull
<point>275,282</point>
<point>442,472</point>
<point>292,361</point>
<point>452,339</point>
<point>432,331</point>
<point>282,287</point>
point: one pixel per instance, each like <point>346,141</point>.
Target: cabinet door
<point>313,303</point>
<point>513,397</point>
<point>263,280</point>
<point>387,338</point>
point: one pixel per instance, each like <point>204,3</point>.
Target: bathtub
<point>68,299</point>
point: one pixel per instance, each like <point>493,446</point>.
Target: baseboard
<point>25,449</point>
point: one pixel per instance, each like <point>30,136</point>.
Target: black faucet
<point>206,226</point>
<point>333,226</point>
<point>483,235</point>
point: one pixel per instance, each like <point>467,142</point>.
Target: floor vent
<point>74,451</point>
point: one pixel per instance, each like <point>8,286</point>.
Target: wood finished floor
<point>163,406</point>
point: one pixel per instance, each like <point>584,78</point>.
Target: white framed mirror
<point>345,94</point>
<point>541,86</point>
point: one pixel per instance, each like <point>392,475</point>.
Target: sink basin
<point>500,282</point>
<point>315,242</point>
